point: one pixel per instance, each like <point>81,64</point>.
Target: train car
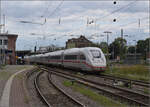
<point>87,59</point>
<point>55,58</point>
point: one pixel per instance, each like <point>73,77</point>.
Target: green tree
<point>118,47</point>
<point>147,44</point>
<point>131,49</point>
<point>143,47</point>
<point>103,46</point>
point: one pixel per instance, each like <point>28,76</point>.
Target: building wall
<point>11,46</point>
<point>78,43</point>
<point>71,45</point>
<point>3,46</point>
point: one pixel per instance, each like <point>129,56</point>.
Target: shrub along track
<point>137,85</point>
<point>135,82</point>
<point>130,96</point>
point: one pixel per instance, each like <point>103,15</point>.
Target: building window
<point>5,42</point>
<point>0,42</point>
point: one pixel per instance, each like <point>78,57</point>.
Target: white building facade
<point>3,47</point>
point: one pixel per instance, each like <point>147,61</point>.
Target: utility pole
<point>0,17</point>
<point>107,34</point>
<point>121,49</point>
<point>2,50</point>
<point>4,23</point>
<point>0,33</point>
<point>135,51</point>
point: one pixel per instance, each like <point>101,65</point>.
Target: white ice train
<point>87,59</point>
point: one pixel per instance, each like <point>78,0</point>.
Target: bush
<point>138,72</point>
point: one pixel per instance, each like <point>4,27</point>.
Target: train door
<point>82,60</point>
<point>62,58</point>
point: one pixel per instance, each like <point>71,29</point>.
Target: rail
<point>38,90</point>
<point>97,86</point>
<point>61,90</point>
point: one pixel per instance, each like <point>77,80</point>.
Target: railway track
<point>32,92</point>
<point>135,85</point>
<point>133,97</point>
<point>39,91</point>
<point>44,97</point>
<point>131,81</point>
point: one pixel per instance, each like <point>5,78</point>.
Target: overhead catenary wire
<point>56,8</point>
<point>117,10</point>
<point>113,12</point>
<point>135,21</point>
<point>127,24</point>
<point>130,23</point>
<point>46,10</point>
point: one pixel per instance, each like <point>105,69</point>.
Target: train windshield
<point>95,53</point>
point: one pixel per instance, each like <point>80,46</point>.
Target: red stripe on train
<point>77,62</point>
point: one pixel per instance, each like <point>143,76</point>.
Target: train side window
<point>82,57</point>
<point>49,57</point>
<point>58,57</point>
<point>74,57</point>
<point>55,57</point>
<point>0,42</point>
<point>70,57</point>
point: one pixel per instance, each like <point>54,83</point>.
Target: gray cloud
<point>73,19</point>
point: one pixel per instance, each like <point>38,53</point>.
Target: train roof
<point>90,48</point>
<point>72,50</point>
<point>54,53</point>
<point>76,50</point>
<point>67,51</point>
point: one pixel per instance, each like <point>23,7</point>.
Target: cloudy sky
<point>67,18</point>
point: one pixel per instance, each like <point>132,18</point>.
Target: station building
<point>7,48</point>
<point>78,42</point>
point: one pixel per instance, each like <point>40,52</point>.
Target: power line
<point>132,22</point>
<point>144,18</point>
<point>46,10</point>
<point>126,6</point>
<point>56,8</point>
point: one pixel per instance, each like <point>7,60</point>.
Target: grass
<point>100,99</point>
<point>8,70</point>
<point>4,75</point>
<point>2,66</point>
<point>146,91</point>
<point>20,77</point>
<point>26,99</point>
<point>137,72</point>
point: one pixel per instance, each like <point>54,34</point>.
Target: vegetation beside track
<point>137,72</point>
<point>102,100</point>
<point>8,70</point>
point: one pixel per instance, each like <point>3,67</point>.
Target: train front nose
<point>99,65</point>
<point>98,59</point>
